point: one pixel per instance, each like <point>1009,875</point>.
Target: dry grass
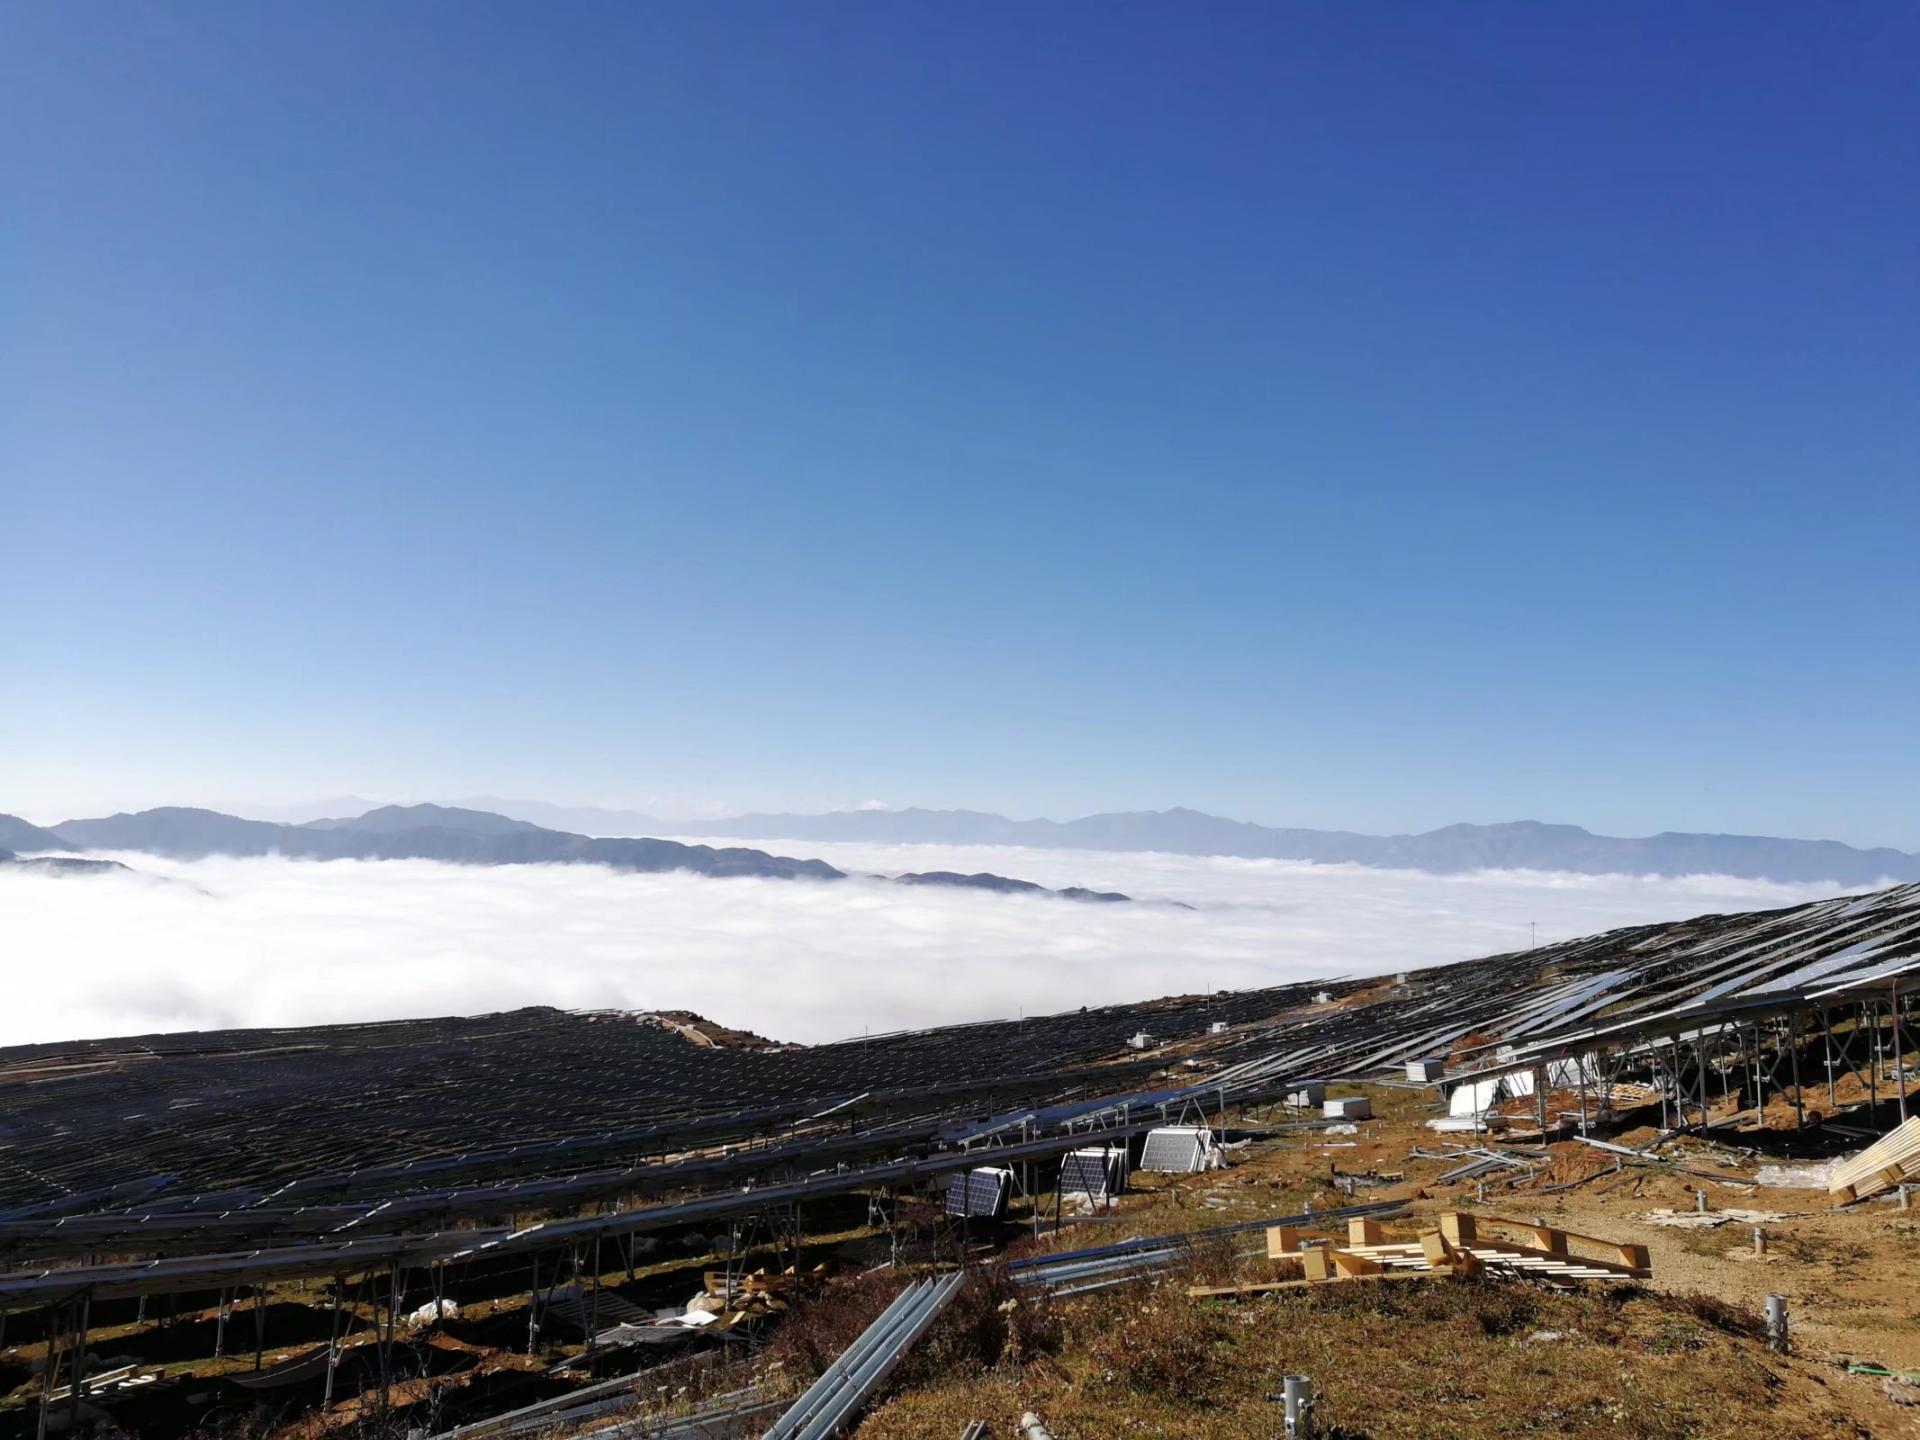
<point>812,1335</point>
<point>991,1324</point>
<point>1438,1360</point>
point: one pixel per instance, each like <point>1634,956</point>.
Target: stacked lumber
<point>1893,1159</point>
<point>1454,1246</point>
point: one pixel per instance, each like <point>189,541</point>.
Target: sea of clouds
<point>275,942</point>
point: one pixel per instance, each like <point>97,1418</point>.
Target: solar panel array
<point>1652,978</point>
<point>385,1104</point>
<point>220,1139</point>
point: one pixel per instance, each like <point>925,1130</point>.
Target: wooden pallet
<point>1454,1246</point>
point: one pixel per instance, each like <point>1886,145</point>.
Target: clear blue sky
<point>1365,415</point>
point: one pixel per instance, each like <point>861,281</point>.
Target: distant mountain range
<point>1520,845</point>
<point>437,832</point>
<point>523,831</point>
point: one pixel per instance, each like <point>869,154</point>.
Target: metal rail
<point>838,1395</point>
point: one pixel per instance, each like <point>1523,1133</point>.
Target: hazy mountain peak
<point>393,819</point>
<point>18,836</point>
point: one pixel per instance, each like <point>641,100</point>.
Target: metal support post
<point>593,1306</point>
<point>533,1308</point>
<point>1700,1050</point>
<point>1826,1033</point>
<point>1793,1042</point>
<point>1899,1054</point>
<point>383,1338</point>
<point>333,1341</point>
<point>77,1378</point>
<point>1873,1062</point>
<point>1777,1323</point>
<point>1679,1086</point>
<point>1297,1397</point>
<point>47,1374</point>
<point>1727,1066</point>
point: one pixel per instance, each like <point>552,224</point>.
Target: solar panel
<point>1098,1173</point>
<point>1177,1149</point>
<point>980,1194</point>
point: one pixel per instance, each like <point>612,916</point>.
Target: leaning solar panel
<point>980,1194</point>
<point>1099,1172</point>
<point>1178,1149</point>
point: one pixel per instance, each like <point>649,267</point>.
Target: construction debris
<point>1710,1219</point>
<point>759,1293</point>
<point>1348,1182</point>
<point>1647,1157</point>
<point>1796,1177</point>
<point>1077,1272</point>
<point>1455,1247</point>
<point>1892,1160</point>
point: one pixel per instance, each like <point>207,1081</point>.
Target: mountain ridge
<point>17,836</point>
<point>454,835</point>
<point>1451,849</point>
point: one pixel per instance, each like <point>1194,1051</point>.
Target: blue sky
<point>1358,415</point>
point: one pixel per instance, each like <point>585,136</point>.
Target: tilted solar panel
<point>1177,1150</point>
<point>980,1194</point>
<point>1098,1173</point>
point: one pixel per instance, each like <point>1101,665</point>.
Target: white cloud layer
<point>223,942</point>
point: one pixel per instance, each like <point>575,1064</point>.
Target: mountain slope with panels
<point>270,1108</point>
<point>541,1104</point>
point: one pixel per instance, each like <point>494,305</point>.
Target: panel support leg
<point>1793,1043</point>
<point>1899,1054</point>
<point>77,1380</point>
<point>333,1340</point>
<point>47,1374</point>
